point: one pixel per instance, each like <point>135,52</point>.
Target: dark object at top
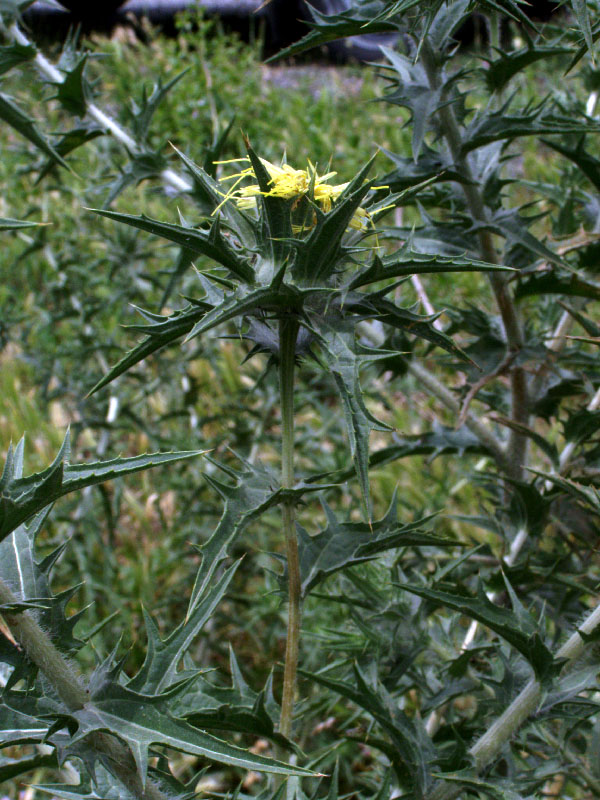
<point>284,19</point>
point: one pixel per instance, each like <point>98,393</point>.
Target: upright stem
<point>288,333</point>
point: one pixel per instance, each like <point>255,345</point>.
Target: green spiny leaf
<point>328,28</point>
<point>21,498</point>
<point>516,626</point>
<point>142,114</point>
<point>143,721</point>
<point>408,262</point>
<point>376,306</point>
<point>255,490</point>
<point>344,357</point>
<point>163,656</point>
<point>14,116</point>
<point>73,91</point>
<point>164,331</point>
<point>502,69</point>
<point>413,745</point>
<point>13,54</point>
<point>29,581</point>
<point>500,126</point>
<point>343,544</point>
<point>235,708</point>
<point>216,246</point>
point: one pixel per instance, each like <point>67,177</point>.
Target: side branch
<point>42,652</point>
<point>488,747</point>
<point>101,118</point>
<point>517,449</point>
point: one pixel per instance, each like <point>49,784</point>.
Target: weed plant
<point>439,655</point>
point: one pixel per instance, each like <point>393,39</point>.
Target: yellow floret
<point>289,183</point>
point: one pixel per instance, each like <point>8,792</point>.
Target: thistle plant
<point>442,665</point>
<point>294,284</point>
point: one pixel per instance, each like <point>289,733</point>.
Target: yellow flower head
<point>289,183</point>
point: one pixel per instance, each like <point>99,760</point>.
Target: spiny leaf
<point>212,243</point>
<point>503,68</point>
<point>500,126</point>
<point>14,116</point>
<point>586,494</point>
<point>72,92</point>
<point>516,626</point>
<point>583,19</point>
<point>412,90</point>
<point>329,27</point>
<point>142,114</point>
<point>29,581</point>
<point>344,357</point>
<point>70,141</point>
<point>163,656</point>
<point>413,745</point>
<point>242,303</point>
<point>430,165</point>
<point>256,489</point>
<point>163,331</point>
<point>589,326</point>
<point>21,718</point>
<point>441,440</point>
<point>13,54</point>
<point>547,447</point>
<point>143,721</point>
<point>21,498</point>
<point>105,787</point>
<point>343,544</point>
<point>236,708</point>
<point>141,166</point>
<point>376,306</point>
<point>409,262</point>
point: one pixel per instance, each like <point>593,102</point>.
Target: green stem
<point>288,333</point>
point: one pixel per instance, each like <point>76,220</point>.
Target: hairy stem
<point>288,333</point>
<point>488,746</point>
<point>42,652</point>
<point>517,449</point>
